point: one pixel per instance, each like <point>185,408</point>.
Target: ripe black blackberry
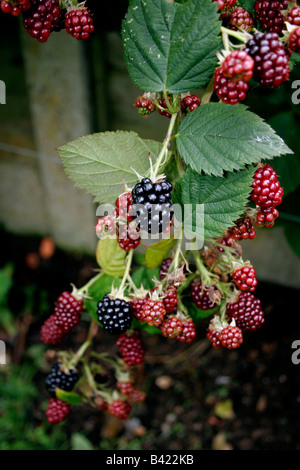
<point>114,315</point>
<point>271,66</point>
<point>246,311</point>
<point>152,205</point>
<point>57,378</point>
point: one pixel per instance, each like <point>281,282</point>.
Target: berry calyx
<point>271,67</point>
<point>50,333</point>
<point>266,189</point>
<point>131,348</point>
<point>144,105</point>
<point>201,296</point>
<point>171,327</point>
<point>231,337</point>
<point>79,23</point>
<point>57,411</point>
<point>67,311</point>
<point>188,332</point>
<point>42,18</point>
<point>120,409</point>
<point>246,311</point>
<point>153,312</point>
<point>57,378</point>
<point>114,315</point>
<point>245,278</point>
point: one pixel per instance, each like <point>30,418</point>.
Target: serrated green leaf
<point>101,163</point>
<point>69,397</point>
<point>143,277</point>
<point>224,200</point>
<point>218,137</point>
<point>157,252</point>
<point>110,257</point>
<point>247,5</point>
<point>169,45</point>
<point>196,313</point>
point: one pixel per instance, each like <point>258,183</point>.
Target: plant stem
<point>129,259</point>
<point>84,289</point>
<point>235,34</point>
<point>208,92</point>
<point>76,358</point>
<point>164,149</point>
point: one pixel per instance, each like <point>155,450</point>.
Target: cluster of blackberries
<point>42,17</point>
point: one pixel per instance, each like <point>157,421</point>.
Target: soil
<point>197,397</point>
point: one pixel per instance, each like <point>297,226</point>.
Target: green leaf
<point>218,137</point>
<point>101,163</point>
<point>6,282</point>
<point>171,46</point>
<point>288,168</point>
<point>110,257</point>
<point>69,397</point>
<point>247,5</point>
<point>224,200</point>
<point>196,313</point>
<point>80,442</point>
<point>157,252</point>
<point>143,276</point>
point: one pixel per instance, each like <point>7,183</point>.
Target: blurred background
<point>202,399</point>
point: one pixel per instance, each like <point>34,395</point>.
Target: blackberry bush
<point>192,199</point>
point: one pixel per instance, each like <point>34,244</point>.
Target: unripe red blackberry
<point>238,65</point>
<point>128,237</point>
<point>119,408</point>
<point>189,103</point>
<point>136,308</point>
<point>42,18</point>
<point>231,337</point>
<point>131,348</point>
<point>229,91</point>
<point>125,387</point>
<point>153,312</point>
<point>165,265</point>
<point>245,278</point>
<point>124,207</point>
<point>137,396</point>
<point>57,411</point>
<point>271,66</point>
<point>294,40</point>
<point>267,217</point>
<point>144,105</point>
<point>293,16</point>
<point>266,189</point>
<point>246,311</point>
<point>170,299</point>
<point>243,229</point>
<point>50,333</point>
<point>171,327</point>
<point>201,296</point>
<point>67,311</point>
<point>214,337</point>
<point>105,226</point>
<point>240,19</point>
<point>79,23</point>
<point>165,111</point>
<point>188,332</point>
<point>269,14</point>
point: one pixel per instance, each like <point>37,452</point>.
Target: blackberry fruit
<point>229,91</point>
<point>294,41</point>
<point>152,205</point>
<point>266,189</point>
<point>171,327</point>
<point>214,337</point>
<point>165,265</point>
<point>128,238</point>
<point>246,311</point>
<point>266,217</point>
<point>79,23</point>
<point>271,67</point>
<point>67,311</point>
<point>114,315</point>
<point>189,103</point>
<point>57,411</point>
<point>238,65</point>
<point>131,348</point>
<point>50,333</point>
<point>245,278</point>
<point>136,307</point>
<point>163,104</point>
<point>269,15</point>
<point>119,408</point>
<point>57,378</point>
<point>188,332</point>
<point>42,18</point>
<point>15,7</point>
<point>144,105</point>
<point>137,396</point>
<point>201,296</point>
<point>170,299</point>
<point>124,207</point>
<point>243,229</point>
<point>125,387</point>
<point>153,312</point>
<point>293,16</point>
<point>240,19</point>
<point>105,225</point>
<point>231,337</point>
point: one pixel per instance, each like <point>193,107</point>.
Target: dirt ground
<point>197,397</point>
